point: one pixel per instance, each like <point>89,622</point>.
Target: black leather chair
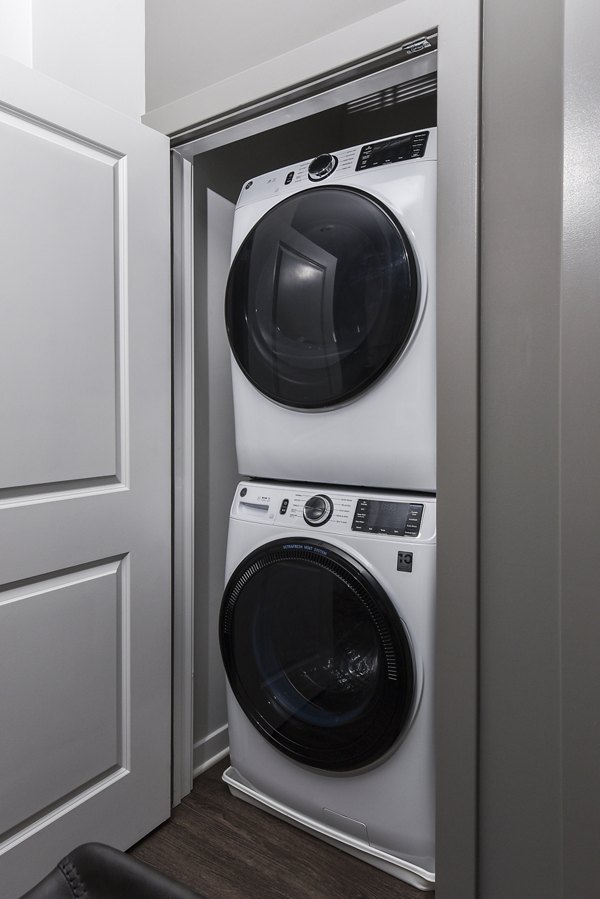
<point>96,871</point>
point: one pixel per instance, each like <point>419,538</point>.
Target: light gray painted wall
<point>580,454</point>
<point>96,47</point>
<point>191,45</point>
<point>15,30</point>
<point>281,69</point>
<point>520,715</point>
<point>458,449</point>
<point>216,471</point>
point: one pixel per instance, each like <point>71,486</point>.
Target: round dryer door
<point>316,654</point>
<point>322,297</point>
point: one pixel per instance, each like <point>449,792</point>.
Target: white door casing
<point>85,610</point>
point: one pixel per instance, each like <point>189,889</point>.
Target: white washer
<point>330,314</point>
<point>327,636</point>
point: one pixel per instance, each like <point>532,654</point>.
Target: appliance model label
<point>405,562</point>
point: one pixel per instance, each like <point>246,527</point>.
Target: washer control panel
<point>375,516</point>
<point>378,514</point>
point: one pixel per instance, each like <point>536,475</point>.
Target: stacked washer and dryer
<point>327,620</point>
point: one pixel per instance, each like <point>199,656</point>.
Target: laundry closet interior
<point>358,109</point>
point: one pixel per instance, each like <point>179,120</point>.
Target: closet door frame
<point>458,66</point>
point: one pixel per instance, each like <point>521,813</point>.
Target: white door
<point>85,615</point>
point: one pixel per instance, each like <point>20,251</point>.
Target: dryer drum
<point>322,297</point>
<point>316,655</point>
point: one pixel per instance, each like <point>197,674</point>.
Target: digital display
<point>381,517</point>
<point>396,149</point>
<point>391,151</point>
<point>386,515</point>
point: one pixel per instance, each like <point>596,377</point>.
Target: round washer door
<point>322,297</point>
<point>316,654</point>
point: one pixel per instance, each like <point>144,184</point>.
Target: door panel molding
<point>88,267</point>
<point>50,729</point>
<point>85,613</point>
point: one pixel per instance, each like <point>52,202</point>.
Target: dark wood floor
<point>226,849</point>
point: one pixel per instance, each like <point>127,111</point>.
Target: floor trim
<point>210,750</point>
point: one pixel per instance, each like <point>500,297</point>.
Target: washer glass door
<point>316,654</point>
<point>322,297</point>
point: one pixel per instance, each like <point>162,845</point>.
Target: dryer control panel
<point>377,514</point>
<point>341,166</point>
<point>395,149</point>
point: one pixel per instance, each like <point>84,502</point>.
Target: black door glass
<point>322,297</point>
<point>316,654</point>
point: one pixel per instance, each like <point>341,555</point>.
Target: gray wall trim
<point>211,749</point>
<point>183,476</point>
<point>580,453</point>
<point>233,127</point>
<point>403,62</point>
<point>375,35</point>
<point>458,450</point>
<point>520,803</point>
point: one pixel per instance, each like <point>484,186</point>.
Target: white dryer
<point>327,636</point>
<point>330,314</point>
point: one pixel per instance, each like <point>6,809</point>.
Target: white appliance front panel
<point>395,799</point>
<point>386,436</point>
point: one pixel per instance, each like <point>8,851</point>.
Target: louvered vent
<point>392,96</point>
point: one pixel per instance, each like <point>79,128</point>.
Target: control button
<point>322,166</point>
<point>289,177</point>
<point>243,491</point>
<point>284,507</point>
<point>318,510</point>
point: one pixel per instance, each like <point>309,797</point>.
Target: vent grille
<point>392,96</point>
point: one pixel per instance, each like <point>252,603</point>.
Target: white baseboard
<point>211,749</point>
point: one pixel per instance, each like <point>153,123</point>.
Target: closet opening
<point>397,92</point>
<point>210,170</point>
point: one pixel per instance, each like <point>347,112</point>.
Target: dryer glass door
<point>316,654</point>
<point>322,297</point>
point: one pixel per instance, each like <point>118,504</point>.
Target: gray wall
<point>216,466</point>
<point>539,823</point>
<point>580,455</point>
<point>191,45</point>
<point>519,799</point>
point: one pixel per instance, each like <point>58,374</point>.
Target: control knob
<point>322,166</point>
<point>318,510</point>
